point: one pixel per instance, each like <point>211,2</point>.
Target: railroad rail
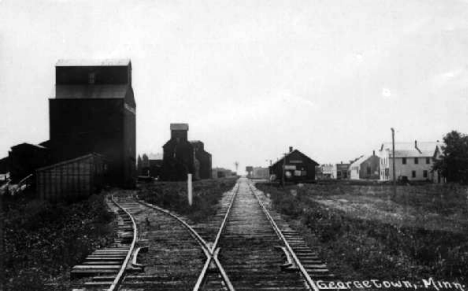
<point>107,266</point>
<point>258,253</point>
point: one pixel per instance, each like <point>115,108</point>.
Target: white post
<point>189,189</point>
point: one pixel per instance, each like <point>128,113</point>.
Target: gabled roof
<point>92,63</point>
<point>295,151</point>
<point>24,144</point>
<point>91,91</point>
<point>359,161</point>
<point>409,149</point>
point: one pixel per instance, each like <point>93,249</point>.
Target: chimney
<point>179,131</point>
<point>373,152</point>
<point>290,149</point>
<point>416,144</point>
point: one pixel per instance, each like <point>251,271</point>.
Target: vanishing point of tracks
<point>244,247</point>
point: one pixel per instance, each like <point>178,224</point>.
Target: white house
<point>412,160</point>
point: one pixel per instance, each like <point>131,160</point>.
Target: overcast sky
<point>329,77</point>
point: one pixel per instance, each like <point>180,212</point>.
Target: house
<point>325,171</point>
<point>295,166</point>
<point>341,171</point>
<point>178,155</point>
<point>413,161</point>
<point>365,168</point>
<point>93,111</point>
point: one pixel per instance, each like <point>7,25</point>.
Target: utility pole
<point>284,170</point>
<point>237,165</point>
<point>393,162</point>
<point>2,246</point>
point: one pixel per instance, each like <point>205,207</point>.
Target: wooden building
<point>178,155</point>
<point>204,159</point>
<point>72,179</point>
<point>94,112</point>
<point>365,168</point>
<point>297,167</point>
<point>25,158</point>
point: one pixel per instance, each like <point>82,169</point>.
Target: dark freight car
<point>296,167</point>
<point>94,112</point>
<point>72,179</point>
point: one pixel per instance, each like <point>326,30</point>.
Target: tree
<point>453,164</point>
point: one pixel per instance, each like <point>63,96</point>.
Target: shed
<point>72,179</point>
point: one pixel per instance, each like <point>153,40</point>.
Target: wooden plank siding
<point>71,179</point>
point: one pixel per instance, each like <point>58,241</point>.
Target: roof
<point>91,91</point>
<point>179,126</point>
<point>29,145</point>
<point>92,62</point>
<point>408,149</point>
<point>359,161</point>
<point>290,153</point>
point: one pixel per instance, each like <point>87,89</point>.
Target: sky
<point>251,77</point>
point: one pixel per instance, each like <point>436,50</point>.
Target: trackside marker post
<point>189,188</point>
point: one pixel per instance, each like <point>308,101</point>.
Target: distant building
<point>204,160</point>
<point>260,173</point>
<point>341,171</point>
<point>179,155</point>
<point>365,168</point>
<point>155,165</point>
<point>94,112</point>
<point>218,173</point>
<point>297,167</point>
<point>325,171</point>
<point>413,161</point>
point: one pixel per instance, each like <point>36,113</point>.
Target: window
<point>416,161</point>
<point>404,161</point>
<point>91,78</point>
<point>428,161</point>
<point>425,173</point>
<point>368,170</point>
<point>413,174</point>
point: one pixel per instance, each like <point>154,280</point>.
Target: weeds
<point>366,248</point>
<point>173,196</point>
<point>44,240</point>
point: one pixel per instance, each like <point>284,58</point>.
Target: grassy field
<point>173,196</point>
<point>365,232</point>
<point>43,241</point>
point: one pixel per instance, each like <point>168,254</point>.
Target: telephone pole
<point>393,162</point>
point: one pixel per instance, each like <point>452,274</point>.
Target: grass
<point>173,196</point>
<point>366,233</point>
<point>43,241</point>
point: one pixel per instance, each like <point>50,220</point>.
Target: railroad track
<point>259,251</point>
<point>104,268</point>
<point>244,247</point>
